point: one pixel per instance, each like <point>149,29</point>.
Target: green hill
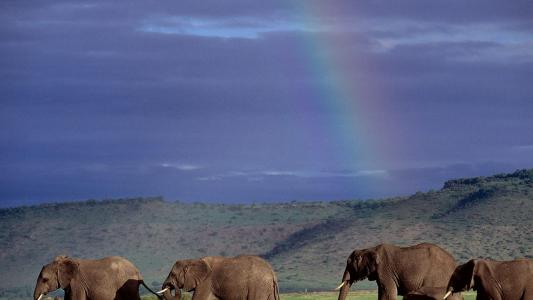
<point>307,243</point>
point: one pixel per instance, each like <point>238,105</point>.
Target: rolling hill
<point>307,243</point>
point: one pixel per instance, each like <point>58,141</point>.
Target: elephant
<point>109,278</point>
<point>431,293</point>
<point>495,280</point>
<point>398,270</point>
<point>242,277</point>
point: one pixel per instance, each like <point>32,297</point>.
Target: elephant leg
<point>128,291</point>
<point>261,293</point>
<point>387,291</point>
<point>130,295</point>
<point>271,295</point>
<point>481,296</point>
<point>528,294</point>
<point>78,294</point>
<point>67,295</point>
<point>203,294</point>
<point>488,293</point>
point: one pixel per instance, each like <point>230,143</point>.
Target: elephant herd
<point>423,271</point>
<point>116,278</point>
<point>426,271</point>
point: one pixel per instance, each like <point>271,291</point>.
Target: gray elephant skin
<point>398,270</point>
<point>109,278</point>
<point>225,278</point>
<point>497,280</point>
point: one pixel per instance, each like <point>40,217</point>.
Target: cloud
<point>323,174</point>
<point>257,175</point>
<point>243,27</point>
<point>209,178</point>
<point>371,173</point>
<point>181,167</point>
<point>524,148</point>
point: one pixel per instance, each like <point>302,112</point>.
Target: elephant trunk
<point>168,286</point>
<point>344,291</point>
<point>38,293</point>
<point>345,287</point>
<point>447,294</point>
<point>168,295</point>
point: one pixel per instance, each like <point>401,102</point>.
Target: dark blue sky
<point>260,101</point>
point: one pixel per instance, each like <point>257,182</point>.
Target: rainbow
<point>351,133</point>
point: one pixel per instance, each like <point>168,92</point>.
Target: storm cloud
<point>213,101</point>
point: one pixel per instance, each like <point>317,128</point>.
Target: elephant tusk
<point>342,284</point>
<point>447,294</point>
<point>160,292</point>
<point>40,297</point>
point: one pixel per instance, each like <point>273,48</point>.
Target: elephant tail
<point>150,290</point>
<point>276,290</point>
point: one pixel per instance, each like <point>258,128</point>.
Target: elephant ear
<point>469,272</point>
<point>195,272</point>
<point>371,261</point>
<point>463,277</point>
<point>367,264</point>
<point>66,270</point>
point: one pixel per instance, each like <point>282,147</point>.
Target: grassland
<point>361,295</point>
<point>358,295</point>
<point>307,243</point>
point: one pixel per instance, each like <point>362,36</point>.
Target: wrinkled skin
<point>398,270</point>
<point>431,293</point>
<point>224,278</point>
<point>495,280</point>
<point>110,278</point>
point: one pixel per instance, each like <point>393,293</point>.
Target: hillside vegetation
<point>307,243</point>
